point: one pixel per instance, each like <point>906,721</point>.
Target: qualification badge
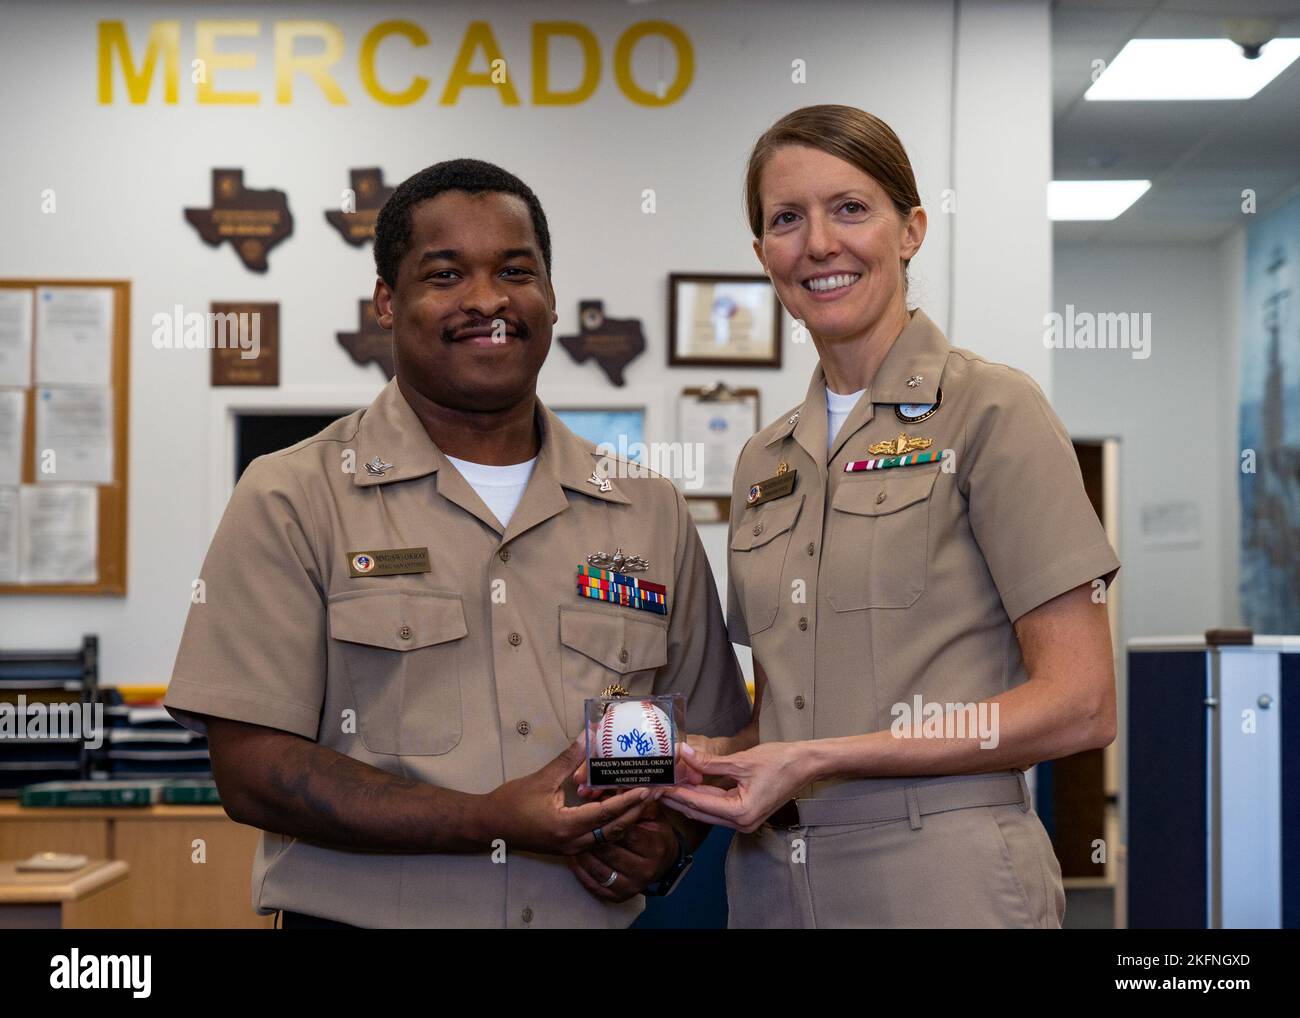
<point>618,561</point>
<point>899,446</point>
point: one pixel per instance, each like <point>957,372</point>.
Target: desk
<point>89,898</point>
<point>191,866</point>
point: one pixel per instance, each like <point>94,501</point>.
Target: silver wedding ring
<point>613,875</point>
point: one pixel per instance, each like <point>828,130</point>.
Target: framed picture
<point>620,428</point>
<point>723,321</point>
<point>720,420</point>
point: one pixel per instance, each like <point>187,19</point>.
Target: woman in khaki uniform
<point>918,570</point>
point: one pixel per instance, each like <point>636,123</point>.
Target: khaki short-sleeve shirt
<point>464,676</point>
<point>862,589</point>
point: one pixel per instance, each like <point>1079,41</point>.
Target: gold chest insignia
<point>899,446</point>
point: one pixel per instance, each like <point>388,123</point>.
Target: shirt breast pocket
<point>878,539</point>
<point>600,650</point>
<point>757,559</point>
<point>402,653</point>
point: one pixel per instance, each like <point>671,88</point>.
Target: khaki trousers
<point>975,866</point>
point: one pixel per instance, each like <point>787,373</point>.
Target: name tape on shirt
<point>388,562</point>
<point>774,487</point>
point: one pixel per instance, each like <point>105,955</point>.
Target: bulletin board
<point>110,494</point>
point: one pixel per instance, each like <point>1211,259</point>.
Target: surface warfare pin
<point>618,561</point>
<point>899,446</point>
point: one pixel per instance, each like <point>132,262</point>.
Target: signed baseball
<point>633,728</point>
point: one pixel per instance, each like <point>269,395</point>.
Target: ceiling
<point>1199,156</point>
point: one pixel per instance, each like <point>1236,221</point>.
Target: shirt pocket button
<point>866,524</point>
<point>599,648</point>
<point>400,653</point>
<point>757,557</point>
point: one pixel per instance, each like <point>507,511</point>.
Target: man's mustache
<point>520,329</point>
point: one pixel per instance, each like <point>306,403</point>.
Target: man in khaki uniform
<point>389,672</point>
<point>862,590</point>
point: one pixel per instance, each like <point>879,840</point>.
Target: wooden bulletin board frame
<point>112,496</point>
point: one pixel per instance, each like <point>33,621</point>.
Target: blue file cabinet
<point>1214,784</point>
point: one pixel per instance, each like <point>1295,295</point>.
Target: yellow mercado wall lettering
<point>214,51</point>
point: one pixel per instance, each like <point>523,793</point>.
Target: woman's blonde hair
<point>846,132</point>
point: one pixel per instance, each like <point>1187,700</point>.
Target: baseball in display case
<point>632,740</point>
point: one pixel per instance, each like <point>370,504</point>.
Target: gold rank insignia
<point>899,446</point>
<point>782,467</point>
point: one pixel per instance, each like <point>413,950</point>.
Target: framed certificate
<point>723,321</point>
<point>718,420</point>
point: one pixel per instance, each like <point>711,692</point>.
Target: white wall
<point>1175,416</point>
<point>1002,264</point>
<point>123,173</point>
<point>1169,411</point>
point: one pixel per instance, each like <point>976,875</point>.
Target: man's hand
<point>530,815</point>
<point>646,852</point>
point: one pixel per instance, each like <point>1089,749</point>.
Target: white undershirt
<point>500,488</point>
<point>837,411</point>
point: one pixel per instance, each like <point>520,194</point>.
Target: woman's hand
<point>763,779</point>
<point>702,747</point>
<point>688,772</point>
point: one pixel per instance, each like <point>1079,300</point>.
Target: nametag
<point>773,487</point>
<point>388,561</point>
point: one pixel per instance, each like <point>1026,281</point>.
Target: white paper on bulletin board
<point>16,337</point>
<point>74,335</point>
<point>58,534</point>
<point>13,415</point>
<point>74,434</point>
<point>8,535</point>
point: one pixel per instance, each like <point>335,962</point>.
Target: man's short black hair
<point>393,226</point>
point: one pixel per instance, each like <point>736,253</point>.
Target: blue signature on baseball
<point>636,741</point>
